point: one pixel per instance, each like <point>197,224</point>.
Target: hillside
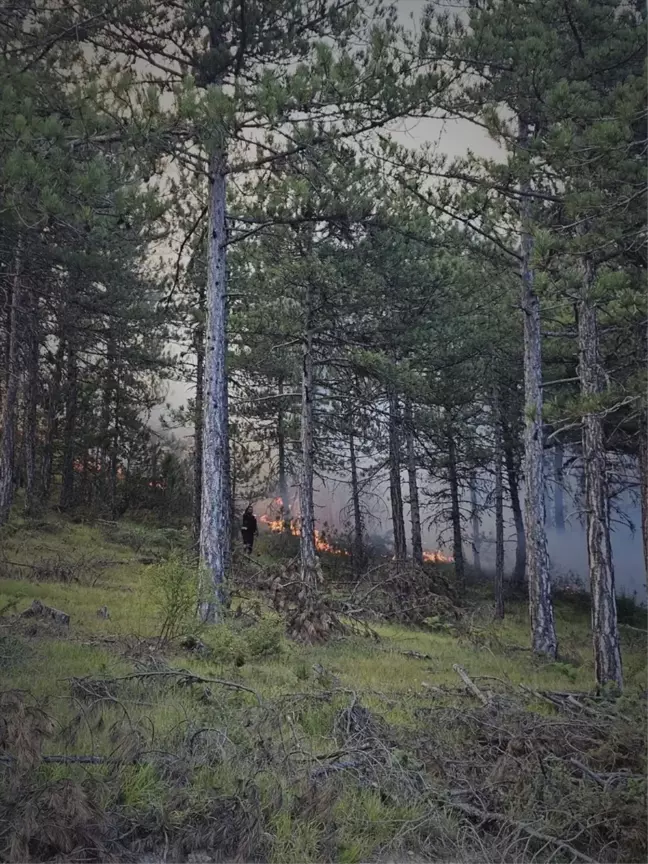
<point>233,743</point>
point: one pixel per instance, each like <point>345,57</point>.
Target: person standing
<point>249,529</point>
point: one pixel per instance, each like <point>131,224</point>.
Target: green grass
<point>355,823</point>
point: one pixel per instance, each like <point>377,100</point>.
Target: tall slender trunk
<point>215,519</point>
<point>67,471</point>
<point>108,411</point>
<point>395,491</point>
<point>455,515</point>
<point>358,527</point>
<point>559,499</point>
<point>543,630</point>
<point>31,405</point>
<point>53,401</point>
<point>306,506</point>
<point>281,444</point>
<point>8,417</point>
<point>474,523</point>
<point>605,632</point>
<point>514,496</point>
<point>415,509</point>
<point>114,455</point>
<point>499,513</point>
<point>199,345</point>
<point>643,483</point>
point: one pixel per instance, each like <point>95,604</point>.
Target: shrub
<point>173,589</point>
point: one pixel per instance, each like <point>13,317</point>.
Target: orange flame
<point>437,558</point>
<point>321,543</point>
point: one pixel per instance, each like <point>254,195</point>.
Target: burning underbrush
<point>337,598</point>
<point>328,539</point>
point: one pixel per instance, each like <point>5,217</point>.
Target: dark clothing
<point>248,530</point>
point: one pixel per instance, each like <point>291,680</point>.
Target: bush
<point>173,587</point>
<point>229,645</point>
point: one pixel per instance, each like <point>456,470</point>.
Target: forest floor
<point>238,744</point>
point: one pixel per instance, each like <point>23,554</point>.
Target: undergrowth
<point>140,736</point>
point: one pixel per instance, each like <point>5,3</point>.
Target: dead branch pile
<point>572,781</point>
<point>310,615</point>
<point>404,593</point>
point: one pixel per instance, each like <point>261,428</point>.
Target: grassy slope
<point>393,685</point>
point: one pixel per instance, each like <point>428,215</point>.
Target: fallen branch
<point>636,629</point>
<point>487,816</point>
<point>183,675</point>
<point>323,770</point>
<point>72,760</point>
<point>470,684</point>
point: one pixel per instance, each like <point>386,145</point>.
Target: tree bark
<point>415,509</point>
<point>455,515</point>
<point>31,404</point>
<point>66,499</point>
<point>559,499</point>
<point>643,483</point>
<point>281,444</point>
<point>605,632</point>
<point>514,496</point>
<point>7,439</point>
<point>199,345</point>
<point>499,514</point>
<point>114,455</point>
<point>474,520</point>
<point>309,573</point>
<point>543,631</point>
<point>395,491</point>
<point>53,402</point>
<point>358,527</point>
<point>215,520</point>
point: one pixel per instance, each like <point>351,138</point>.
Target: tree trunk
<point>543,631</point>
<point>358,528</point>
<point>514,496</point>
<point>7,439</point>
<point>53,400</point>
<point>474,520</point>
<point>67,471</point>
<point>199,345</point>
<point>31,404</point>
<point>415,509</point>
<point>559,501</point>
<point>455,515</point>
<point>309,573</point>
<point>643,483</point>
<point>215,519</point>
<point>499,515</point>
<point>281,444</point>
<point>605,633</point>
<point>114,454</point>
<point>395,491</point>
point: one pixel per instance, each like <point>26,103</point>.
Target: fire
<point>437,558</point>
<point>321,543</point>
